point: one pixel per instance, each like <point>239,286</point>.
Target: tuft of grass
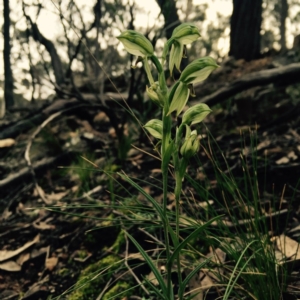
<point>245,233</point>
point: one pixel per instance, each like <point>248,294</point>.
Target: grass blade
<point>188,278</point>
<point>191,236</point>
<point>151,265</point>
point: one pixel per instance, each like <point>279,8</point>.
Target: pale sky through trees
<point>49,23</point>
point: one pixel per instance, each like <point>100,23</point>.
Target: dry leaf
<point>292,155</point>
<point>6,143</point>
<point>7,254</point>
<point>206,282</point>
<point>283,160</point>
<point>194,285</point>
<point>57,196</point>
<point>10,266</point>
<point>51,263</point>
<point>43,226</point>
<point>151,277</point>
<point>23,258</point>
<point>289,247</point>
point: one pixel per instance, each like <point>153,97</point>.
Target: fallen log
<point>23,176</point>
<point>283,75</point>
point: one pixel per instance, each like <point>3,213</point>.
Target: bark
<point>8,76</point>
<point>169,11</point>
<point>283,16</point>
<point>98,15</point>
<point>245,25</point>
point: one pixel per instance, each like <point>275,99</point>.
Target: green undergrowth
<point>243,234</point>
<point>206,216</point>
<point>93,279</point>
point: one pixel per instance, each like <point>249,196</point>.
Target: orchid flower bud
<point>136,43</point>
<point>179,96</point>
<point>182,35</point>
<point>155,128</point>
<point>195,114</point>
<point>191,144</point>
<point>185,33</point>
<point>198,70</point>
<point>154,95</point>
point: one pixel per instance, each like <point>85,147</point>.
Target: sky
<point>151,12</point>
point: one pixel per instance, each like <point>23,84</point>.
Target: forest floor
<point>59,219</point>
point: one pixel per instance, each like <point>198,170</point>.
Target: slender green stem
<point>164,166</point>
<point>177,192</point>
<point>166,139</point>
<point>178,188</point>
<point>166,231</point>
<point>180,165</point>
<point>165,154</point>
<point>157,64</point>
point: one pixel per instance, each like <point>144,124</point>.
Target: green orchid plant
<point>176,149</point>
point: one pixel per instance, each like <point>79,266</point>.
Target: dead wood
<point>33,120</point>
<point>24,175</point>
<point>13,130</point>
<point>283,76</point>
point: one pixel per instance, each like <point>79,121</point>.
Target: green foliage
<point>247,242</point>
<point>176,149</point>
<point>252,266</point>
<point>82,172</point>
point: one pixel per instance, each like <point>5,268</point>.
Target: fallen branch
<point>24,175</point>
<point>283,75</point>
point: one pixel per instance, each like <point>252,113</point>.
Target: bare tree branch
<point>55,59</point>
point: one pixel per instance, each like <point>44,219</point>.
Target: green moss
<point>120,287</point>
<point>94,278</point>
<point>64,272</point>
<point>119,242</point>
<point>82,254</point>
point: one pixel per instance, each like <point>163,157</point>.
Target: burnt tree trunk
<point>283,16</point>
<point>245,27</point>
<point>8,76</point>
<point>169,11</point>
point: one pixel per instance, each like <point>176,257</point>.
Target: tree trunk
<point>169,11</point>
<point>283,16</point>
<point>245,26</point>
<point>8,76</point>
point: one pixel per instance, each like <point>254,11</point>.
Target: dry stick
<point>28,147</point>
<point>27,155</point>
<point>104,289</point>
